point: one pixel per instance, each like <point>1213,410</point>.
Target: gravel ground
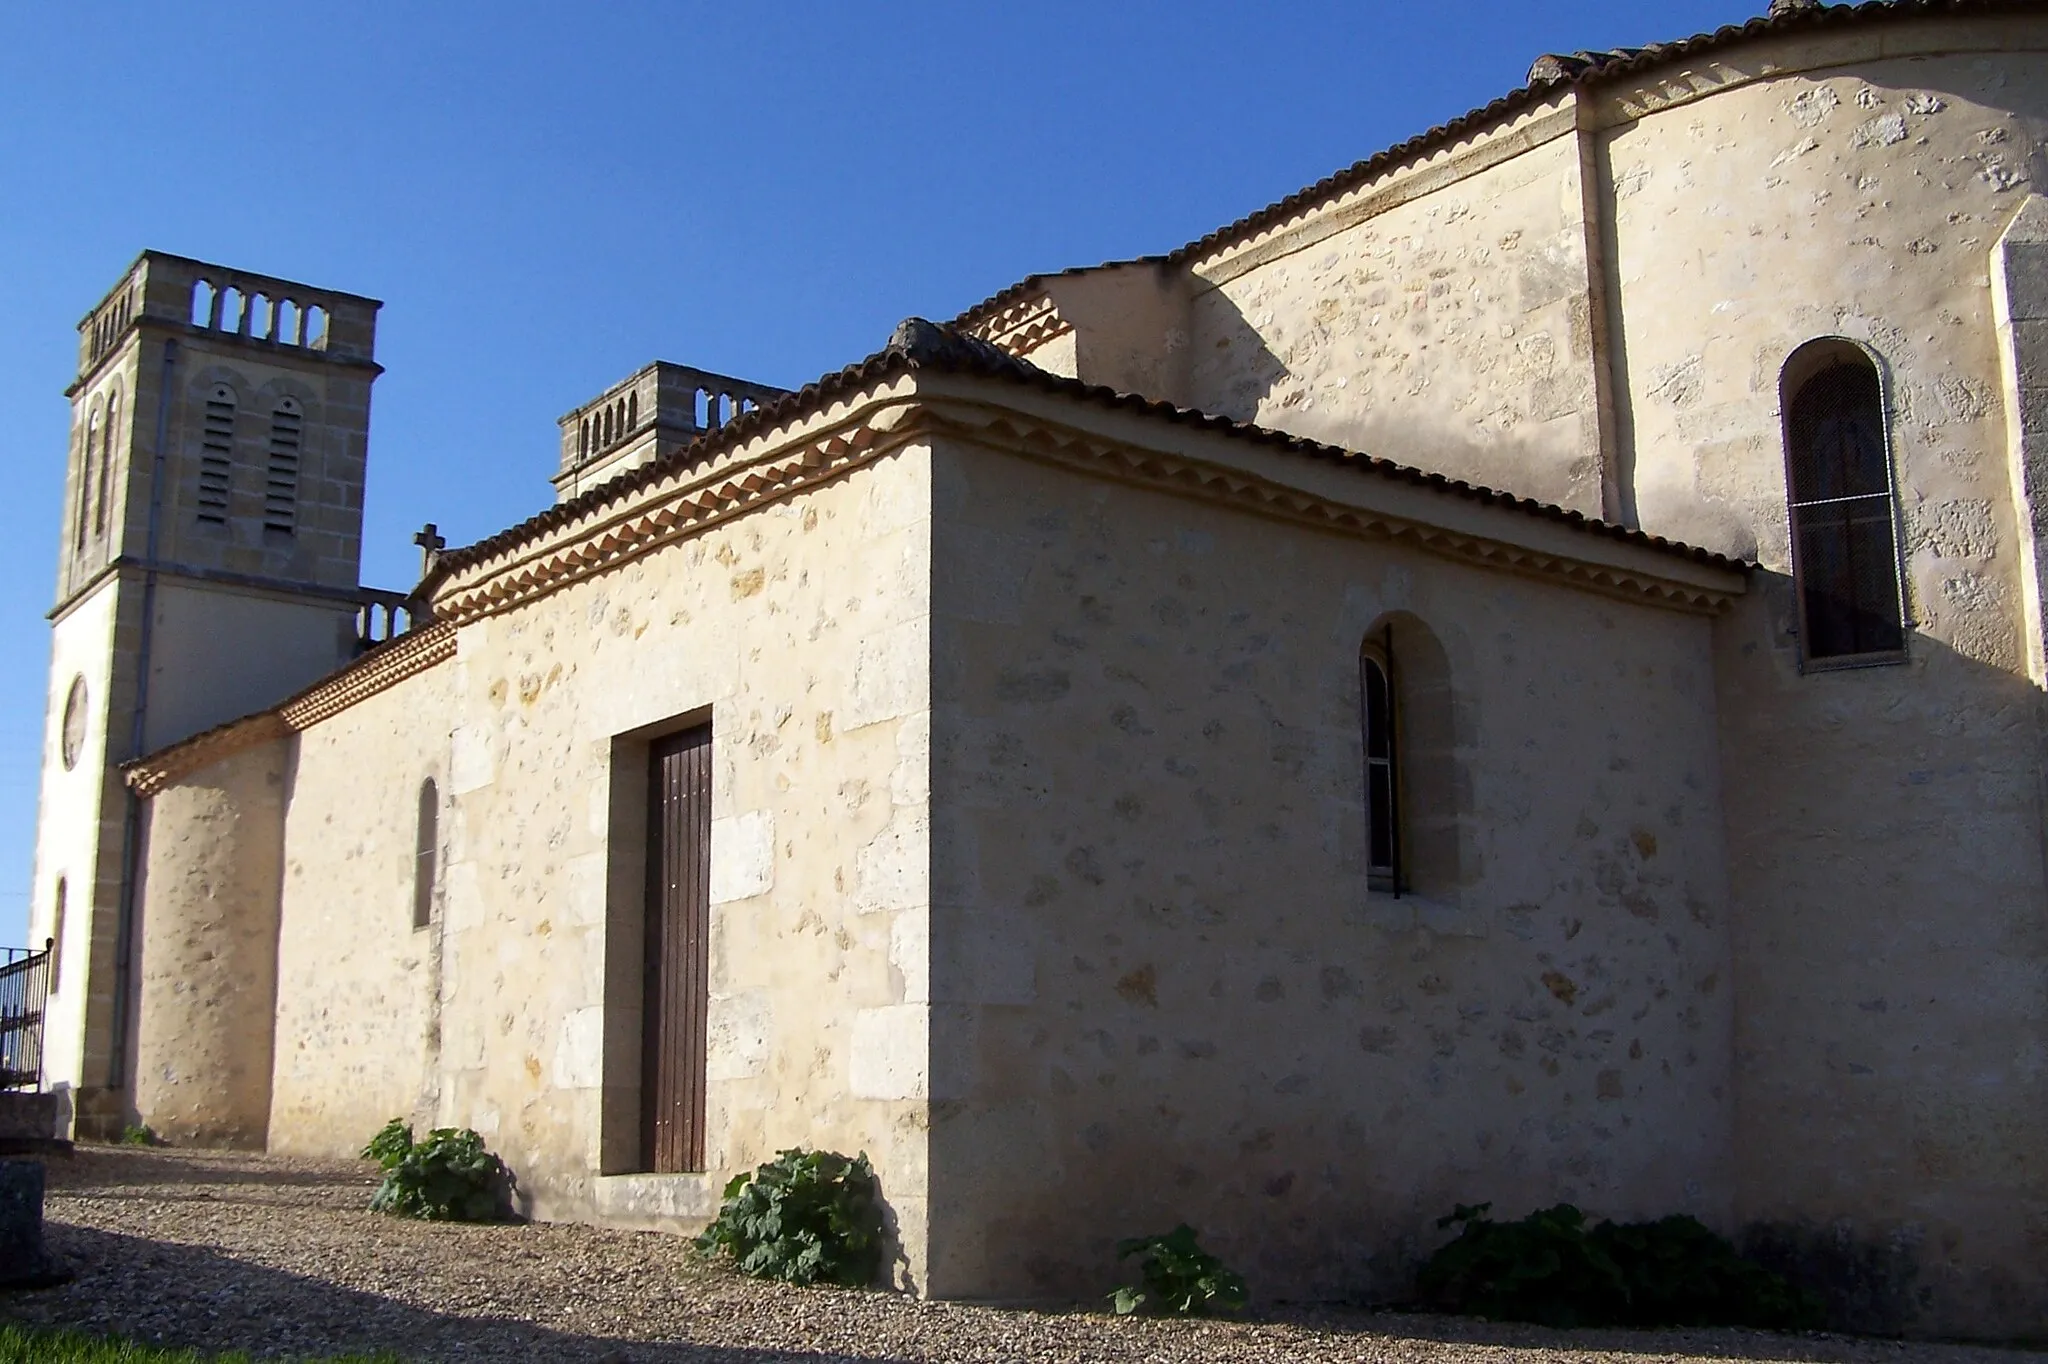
<point>279,1257</point>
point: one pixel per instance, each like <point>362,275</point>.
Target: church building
<point>1513,674</point>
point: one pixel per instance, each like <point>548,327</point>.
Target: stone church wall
<point>1888,879</point>
<point>1438,316</point>
<point>357,996</point>
<point>208,956</point>
<point>1173,997</point>
<point>801,631</point>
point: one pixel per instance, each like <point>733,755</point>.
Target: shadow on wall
<point>1886,900</point>
<point>1263,391</point>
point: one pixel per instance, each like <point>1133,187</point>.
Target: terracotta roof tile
<point>921,345</point>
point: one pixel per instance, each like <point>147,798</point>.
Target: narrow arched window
<point>205,304</point>
<point>425,848</point>
<point>216,455</point>
<point>89,475</point>
<point>316,327</point>
<point>1845,556</point>
<point>1382,776</point>
<point>82,513</point>
<point>281,471</point>
<point>56,948</point>
<point>102,492</point>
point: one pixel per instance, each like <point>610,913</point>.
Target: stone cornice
<point>1181,474</point>
<point>774,466</point>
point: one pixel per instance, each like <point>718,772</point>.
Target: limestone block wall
<point>207,934</point>
<point>801,631</point>
<point>358,987</point>
<point>1891,935</point>
<point>1440,316</point>
<point>1161,989</point>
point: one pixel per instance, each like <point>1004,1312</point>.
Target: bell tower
<point>212,528</point>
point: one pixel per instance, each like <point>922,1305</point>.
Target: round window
<point>73,739</point>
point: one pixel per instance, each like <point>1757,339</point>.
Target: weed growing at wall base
<point>449,1177</point>
<point>803,1217</point>
<point>1553,1268</point>
<point>1180,1277</point>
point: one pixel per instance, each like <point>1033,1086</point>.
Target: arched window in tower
<point>288,322</point>
<point>234,311</point>
<point>281,472</point>
<point>632,411</point>
<point>89,471</point>
<point>426,847</point>
<point>102,492</point>
<point>216,455</point>
<point>203,300</point>
<point>1838,475</point>
<point>316,327</point>
<point>81,440</point>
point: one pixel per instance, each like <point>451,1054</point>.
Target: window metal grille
<point>1382,779</point>
<point>281,478</point>
<point>1845,560</point>
<point>216,455</point>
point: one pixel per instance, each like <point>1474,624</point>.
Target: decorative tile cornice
<point>1047,442</point>
<point>645,518</point>
<point>1023,326</point>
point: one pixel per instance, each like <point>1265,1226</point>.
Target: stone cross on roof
<point>431,543</point>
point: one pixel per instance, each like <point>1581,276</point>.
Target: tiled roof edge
<point>921,345</point>
<point>1553,72</point>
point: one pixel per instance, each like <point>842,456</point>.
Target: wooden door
<point>678,955</point>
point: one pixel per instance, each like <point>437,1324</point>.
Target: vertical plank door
<point>678,955</point>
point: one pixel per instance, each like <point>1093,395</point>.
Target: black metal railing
<point>24,986</point>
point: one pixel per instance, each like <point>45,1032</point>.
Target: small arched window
<point>1415,824</point>
<point>204,303</point>
<point>316,327</point>
<point>234,311</point>
<point>216,455</point>
<point>425,848</point>
<point>1842,503</point>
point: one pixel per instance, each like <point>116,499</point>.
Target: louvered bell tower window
<point>216,455</point>
<point>281,472</point>
<point>1845,558</point>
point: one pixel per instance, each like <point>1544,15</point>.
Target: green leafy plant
<point>1554,1268</point>
<point>448,1177</point>
<point>1180,1277</point>
<point>802,1217</point>
<point>390,1144</point>
<point>139,1134</point>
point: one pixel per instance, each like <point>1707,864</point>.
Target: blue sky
<point>547,197</point>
